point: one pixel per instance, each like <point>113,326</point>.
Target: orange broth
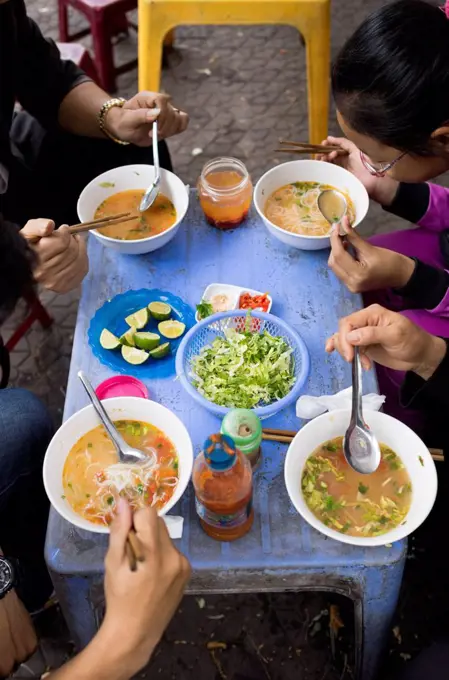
<point>157,219</point>
<point>93,480</point>
<point>352,503</point>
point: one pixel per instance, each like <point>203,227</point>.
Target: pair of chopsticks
<point>305,148</point>
<point>102,222</point>
<point>286,437</point>
<point>134,550</point>
<point>96,224</point>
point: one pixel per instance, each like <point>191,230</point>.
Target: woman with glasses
<point>391,87</point>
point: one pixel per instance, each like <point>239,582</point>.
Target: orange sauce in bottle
<point>225,192</point>
<point>222,479</point>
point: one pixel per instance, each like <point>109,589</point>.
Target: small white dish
<point>233,293</point>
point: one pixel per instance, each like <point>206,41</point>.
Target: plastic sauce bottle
<point>223,483</point>
<point>245,429</point>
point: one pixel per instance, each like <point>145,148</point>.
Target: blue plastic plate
<point>112,316</point>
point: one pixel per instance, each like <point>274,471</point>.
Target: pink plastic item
<point>122,386</point>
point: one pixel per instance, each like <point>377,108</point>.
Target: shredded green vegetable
<point>244,370</point>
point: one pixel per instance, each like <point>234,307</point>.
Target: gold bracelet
<point>107,106</point>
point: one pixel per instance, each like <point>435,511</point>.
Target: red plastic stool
<point>80,56</point>
<point>107,18</point>
<point>37,312</point>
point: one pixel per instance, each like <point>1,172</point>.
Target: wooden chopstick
<point>134,551</point>
<point>305,145</point>
<point>303,152</point>
<point>286,437</point>
<point>101,222</point>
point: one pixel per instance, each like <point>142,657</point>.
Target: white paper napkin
<point>174,525</point>
<point>308,407</point>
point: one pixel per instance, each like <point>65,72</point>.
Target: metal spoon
<point>331,216</point>
<point>150,195</point>
<point>125,453</point>
<point>360,446</point>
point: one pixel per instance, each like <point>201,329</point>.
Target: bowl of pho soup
<point>84,480</point>
<point>120,190</point>
<point>365,510</point>
<point>286,200</point>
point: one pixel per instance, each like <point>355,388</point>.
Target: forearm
<point>79,110</point>
<point>100,660</point>
<point>427,286</point>
<point>429,382</point>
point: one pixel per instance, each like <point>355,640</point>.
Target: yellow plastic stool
<point>310,17</point>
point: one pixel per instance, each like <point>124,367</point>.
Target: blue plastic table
<point>281,552</point>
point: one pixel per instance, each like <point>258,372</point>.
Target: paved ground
<point>244,88</point>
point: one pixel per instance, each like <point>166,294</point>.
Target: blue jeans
<point>25,432</point>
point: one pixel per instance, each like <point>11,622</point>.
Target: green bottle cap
<point>245,428</point>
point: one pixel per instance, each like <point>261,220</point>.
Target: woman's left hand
<point>133,122</point>
<point>375,268</point>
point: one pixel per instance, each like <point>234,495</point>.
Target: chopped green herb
<point>87,495</point>
<point>363,489</point>
<point>330,504</point>
<point>69,484</point>
<point>89,445</point>
<point>421,460</point>
<point>345,527</point>
<point>330,447</point>
<point>204,309</point>
<point>175,464</point>
<point>107,185</point>
<point>140,488</point>
<point>63,497</point>
<point>110,500</point>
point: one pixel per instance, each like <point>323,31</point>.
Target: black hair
<point>391,79</point>
<point>17,261</point>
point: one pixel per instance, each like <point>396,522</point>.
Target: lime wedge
<point>146,340</point>
<point>161,351</point>
<point>134,356</point>
<point>108,340</point>
<point>138,319</point>
<point>128,338</point>
<point>171,329</point>
<point>160,311</point>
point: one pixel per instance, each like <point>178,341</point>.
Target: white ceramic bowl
<point>118,408</point>
<point>389,431</point>
<point>308,171</point>
<point>133,177</point>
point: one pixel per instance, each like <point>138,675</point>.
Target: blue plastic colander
<point>203,334</point>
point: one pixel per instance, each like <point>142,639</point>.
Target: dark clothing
<point>31,72</point>
<point>57,167</point>
<point>25,433</point>
<point>42,168</point>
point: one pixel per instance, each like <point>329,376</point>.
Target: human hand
<point>133,122</point>
<point>141,603</point>
<point>389,339</point>
<point>380,189</point>
<point>375,268</point>
<point>62,258</point>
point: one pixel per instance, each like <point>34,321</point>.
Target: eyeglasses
<point>380,169</point>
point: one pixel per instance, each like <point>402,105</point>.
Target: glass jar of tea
<point>225,191</point>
